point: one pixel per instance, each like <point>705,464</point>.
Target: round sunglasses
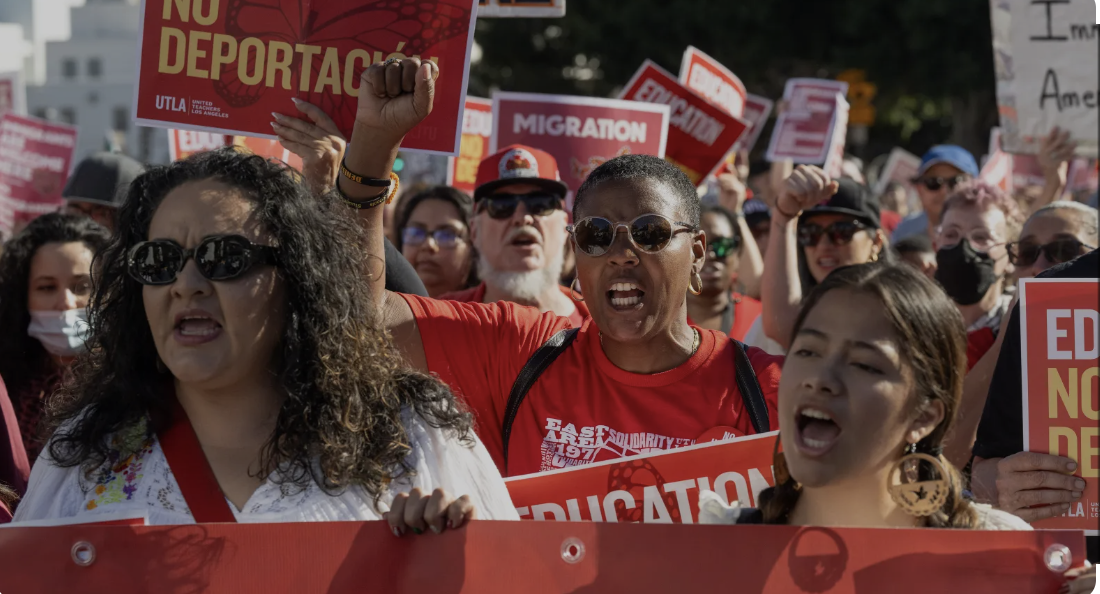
<point>503,206</point>
<point>444,238</point>
<point>723,246</point>
<point>649,233</point>
<point>219,258</point>
<point>840,233</point>
<point>1025,253</point>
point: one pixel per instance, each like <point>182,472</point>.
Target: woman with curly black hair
<point>232,308</point>
<point>45,283</point>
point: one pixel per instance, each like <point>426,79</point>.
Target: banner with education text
<point>1060,338</point>
<point>660,487</point>
<point>807,128</point>
<point>225,65</point>
<point>488,557</point>
<point>716,83</point>
<point>580,132</point>
<point>700,134</point>
<point>521,8</point>
<point>477,132</point>
<point>35,159</point>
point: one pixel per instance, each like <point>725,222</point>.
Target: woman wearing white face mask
<point>45,282</point>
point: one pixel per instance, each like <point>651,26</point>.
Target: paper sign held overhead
<point>225,65</point>
<point>477,131</point>
<point>706,76</point>
<point>521,8</point>
<point>806,130</point>
<point>901,167</point>
<point>35,159</point>
<point>757,111</point>
<point>834,162</point>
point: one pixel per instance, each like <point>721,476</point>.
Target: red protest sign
<point>757,110</point>
<point>580,132</point>
<point>1059,337</point>
<point>997,171</point>
<point>1084,175</point>
<point>269,149</point>
<point>35,159</point>
<point>706,76</point>
<point>477,131</point>
<point>224,66</point>
<point>805,130</point>
<point>530,557</point>
<point>184,143</point>
<point>13,94</point>
<point>659,487</point>
<point>834,162</point>
<point>699,134</point>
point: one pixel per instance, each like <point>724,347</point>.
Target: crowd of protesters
<point>336,364</point>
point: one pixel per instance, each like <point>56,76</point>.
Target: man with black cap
<point>941,169</point>
<point>98,186</point>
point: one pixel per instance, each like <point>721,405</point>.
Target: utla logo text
<point>169,103</point>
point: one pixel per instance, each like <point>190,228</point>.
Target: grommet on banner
<point>572,550</point>
<point>83,553</point>
<point>1058,558</point>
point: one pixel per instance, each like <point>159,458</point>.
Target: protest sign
<point>834,162</point>
<point>521,8</point>
<point>13,93</point>
<point>1025,169</point>
<point>1084,175</point>
<point>268,149</point>
<point>1048,71</point>
<point>1059,337</point>
<point>700,134</point>
<point>226,66</point>
<point>580,132</point>
<point>35,159</point>
<point>659,487</point>
<point>806,129</point>
<point>757,110</point>
<point>184,143</point>
<point>477,131</point>
<point>901,167</point>
<point>997,171</point>
<point>713,81</point>
<point>530,557</point>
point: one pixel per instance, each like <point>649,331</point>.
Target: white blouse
<point>143,485</point>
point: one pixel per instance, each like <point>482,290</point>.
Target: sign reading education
<point>706,76</point>
<point>184,143</point>
<point>806,129</point>
<point>580,132</point>
<point>35,159</point>
<point>700,134</point>
<point>1048,71</point>
<point>521,8</point>
<point>13,94</point>
<point>1060,338</point>
<point>757,110</point>
<point>660,487</point>
<point>477,131</point>
<point>224,65</point>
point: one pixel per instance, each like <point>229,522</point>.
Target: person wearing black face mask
<point>972,259</point>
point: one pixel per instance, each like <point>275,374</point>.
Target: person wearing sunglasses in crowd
<point>718,306</point>
<point>635,377</point>
<point>232,333</point>
<point>433,233</point>
<point>45,285</point>
<point>941,169</point>
<point>810,239</point>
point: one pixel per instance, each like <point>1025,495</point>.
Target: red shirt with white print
<point>583,408</point>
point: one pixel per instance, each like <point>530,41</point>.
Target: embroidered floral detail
<point>118,479</point>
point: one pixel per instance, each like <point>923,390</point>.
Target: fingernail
<point>1072,466</point>
<point>296,100</point>
<point>274,125</point>
<point>437,530</point>
<point>277,116</point>
<point>1077,494</point>
<point>1079,485</point>
<point>397,532</point>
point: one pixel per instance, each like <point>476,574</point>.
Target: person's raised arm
<point>731,195</point>
<point>781,286</point>
<point>1054,156</point>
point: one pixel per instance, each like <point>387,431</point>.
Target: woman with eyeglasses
<point>236,372</point>
<point>633,378</point>
<point>433,230</point>
<point>818,225</point>
<point>718,306</point>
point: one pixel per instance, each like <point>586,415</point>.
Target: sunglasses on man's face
<point>218,258</point>
<point>503,206</point>
<point>839,233</point>
<point>444,238</point>
<point>1025,253</point>
<point>649,233</point>
<point>935,183</point>
<point>722,247</point>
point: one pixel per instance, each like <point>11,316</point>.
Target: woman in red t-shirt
<point>637,377</point>
<point>718,307</point>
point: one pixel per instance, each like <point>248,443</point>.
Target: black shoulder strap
<point>749,387</point>
<point>527,376</point>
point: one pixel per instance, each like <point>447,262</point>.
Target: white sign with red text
<point>706,76</point>
<point>806,130</point>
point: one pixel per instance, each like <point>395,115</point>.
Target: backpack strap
<point>531,371</point>
<point>749,387</point>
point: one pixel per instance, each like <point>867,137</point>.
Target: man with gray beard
<point>519,232</point>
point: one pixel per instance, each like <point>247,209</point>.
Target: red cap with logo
<point>518,164</point>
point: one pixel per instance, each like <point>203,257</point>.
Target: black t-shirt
<point>400,275</point>
<point>1001,430</point>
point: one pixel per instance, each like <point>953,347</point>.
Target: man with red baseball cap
<point>519,232</point>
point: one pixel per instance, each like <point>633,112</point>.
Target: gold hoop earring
<point>573,290</point>
<point>693,290</point>
<point>874,256</point>
<point>917,497</point>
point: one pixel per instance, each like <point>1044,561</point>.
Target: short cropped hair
<point>1086,215</point>
<point>648,167</point>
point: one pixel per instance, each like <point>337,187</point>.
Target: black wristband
<point>363,181</point>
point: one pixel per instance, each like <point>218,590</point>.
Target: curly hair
<point>984,196</point>
<point>346,385</point>
<point>933,345</point>
<point>22,358</point>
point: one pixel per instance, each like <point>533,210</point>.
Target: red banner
<point>477,132</point>
<point>580,132</point>
<point>699,134</point>
<point>184,143</point>
<point>805,129</point>
<point>1060,338</point>
<point>530,557</point>
<point>225,65</point>
<point>706,76</point>
<point>661,487</point>
<point>757,110</point>
<point>35,159</point>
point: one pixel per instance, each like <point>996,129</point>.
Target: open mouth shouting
<point>817,432</point>
<point>194,327</point>
<point>625,296</point>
